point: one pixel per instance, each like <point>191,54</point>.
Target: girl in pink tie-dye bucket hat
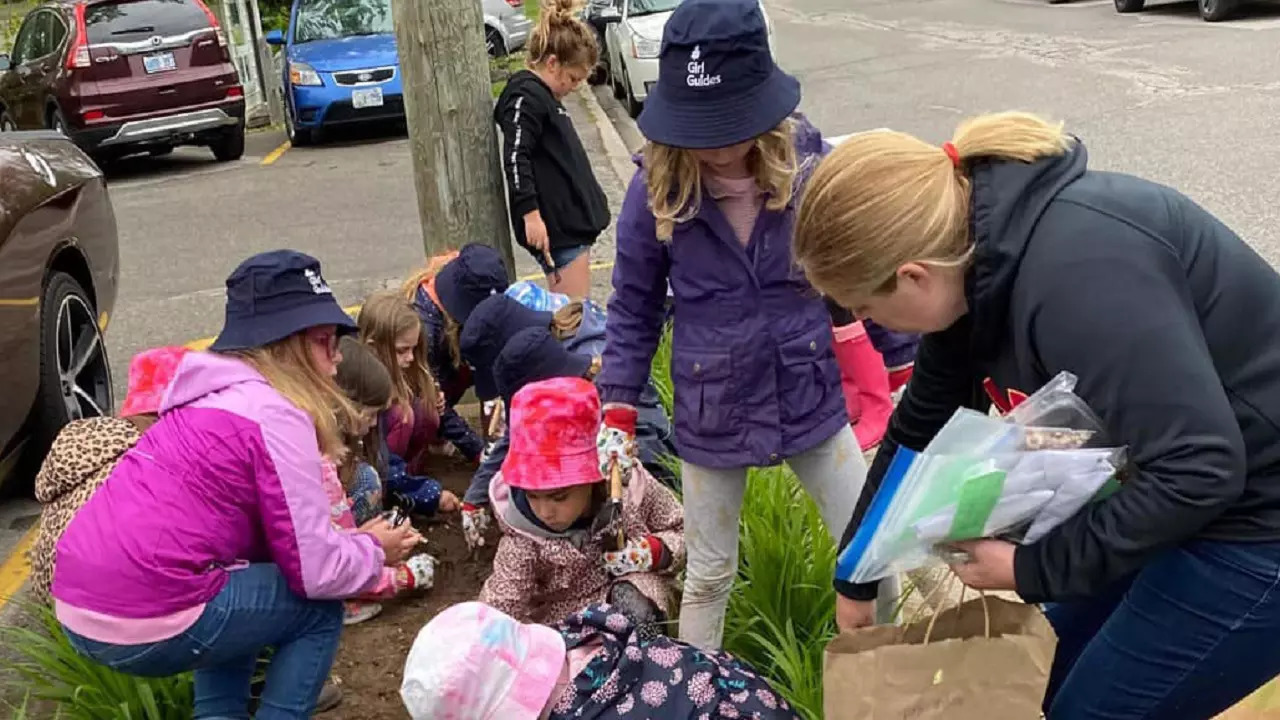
<point>553,559</point>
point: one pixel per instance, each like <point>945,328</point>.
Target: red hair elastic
<point>950,150</point>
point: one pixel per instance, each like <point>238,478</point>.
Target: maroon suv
<point>125,76</point>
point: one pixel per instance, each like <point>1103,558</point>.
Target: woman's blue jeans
<point>1187,637</point>
<point>255,610</point>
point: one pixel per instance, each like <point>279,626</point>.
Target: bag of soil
<point>986,659</point>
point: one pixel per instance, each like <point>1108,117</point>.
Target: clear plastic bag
<point>1015,477</point>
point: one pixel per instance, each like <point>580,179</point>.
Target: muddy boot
<point>330,697</point>
<point>649,620</point>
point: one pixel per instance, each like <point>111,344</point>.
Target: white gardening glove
<point>640,555</point>
<point>416,573</point>
<point>616,440</point>
<point>475,521</point>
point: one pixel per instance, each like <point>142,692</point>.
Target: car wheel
<point>619,91</point>
<point>633,106</point>
<point>57,123</point>
<point>6,122</point>
<point>75,375</point>
<point>1130,6</point>
<point>230,146</point>
<point>1217,10</point>
<point>494,43</point>
<point>160,151</point>
<point>298,137</point>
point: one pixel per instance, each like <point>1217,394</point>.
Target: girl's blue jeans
<point>255,610</point>
<point>1192,633</point>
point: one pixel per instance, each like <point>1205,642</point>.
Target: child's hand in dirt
<point>449,502</point>
<point>640,555</point>
<point>475,520</point>
<point>397,542</point>
<point>416,573</point>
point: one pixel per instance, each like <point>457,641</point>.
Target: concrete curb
<point>619,156</point>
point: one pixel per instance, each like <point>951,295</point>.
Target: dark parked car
<point>125,76</point>
<point>59,263</point>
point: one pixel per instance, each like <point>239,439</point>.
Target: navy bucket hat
<point>494,321</point>
<point>717,82</point>
<point>464,281</point>
<point>534,354</point>
<point>273,295</point>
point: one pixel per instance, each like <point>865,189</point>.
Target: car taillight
<point>213,23</point>
<point>235,91</point>
<point>78,56</point>
<point>92,115</point>
<point>516,3</point>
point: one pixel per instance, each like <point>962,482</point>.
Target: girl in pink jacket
<point>211,538</point>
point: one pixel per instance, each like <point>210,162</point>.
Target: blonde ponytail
<point>561,33</point>
<point>884,198</point>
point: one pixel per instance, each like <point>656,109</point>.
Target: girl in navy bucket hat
<point>211,538</point>
<point>710,210</point>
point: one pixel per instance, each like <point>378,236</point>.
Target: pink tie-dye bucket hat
<point>554,424</point>
<point>473,662</point>
<point>150,373</point>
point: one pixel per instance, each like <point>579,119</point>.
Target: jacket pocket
<point>703,392</point>
<point>807,375</point>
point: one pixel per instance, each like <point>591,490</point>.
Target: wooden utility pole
<point>457,171</point>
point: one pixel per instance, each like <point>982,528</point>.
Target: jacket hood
<point>83,450</point>
<point>1007,201</point>
<point>203,373</point>
<point>505,509</point>
<point>528,80</point>
<point>589,339</point>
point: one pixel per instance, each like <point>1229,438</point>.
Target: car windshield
<point>328,19</point>
<point>126,21</point>
<point>649,7</point>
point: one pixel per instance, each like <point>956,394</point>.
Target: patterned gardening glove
<point>416,573</point>
<point>617,439</point>
<point>475,521</point>
<point>639,555</point>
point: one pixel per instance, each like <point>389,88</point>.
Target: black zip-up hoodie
<point>545,165</point>
<point>1172,324</point>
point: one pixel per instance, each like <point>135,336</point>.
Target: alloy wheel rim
<point>83,372</point>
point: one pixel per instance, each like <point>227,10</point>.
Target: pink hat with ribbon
<point>553,435</point>
<point>150,373</point>
<point>472,662</point>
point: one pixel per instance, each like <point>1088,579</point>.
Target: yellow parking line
<point>274,155</point>
<point>19,302</point>
<point>204,343</point>
<point>15,568</point>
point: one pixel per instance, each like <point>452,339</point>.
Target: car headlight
<point>643,48</point>
<point>303,74</point>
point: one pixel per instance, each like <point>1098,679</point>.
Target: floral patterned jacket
<point>660,678</point>
<point>541,576</point>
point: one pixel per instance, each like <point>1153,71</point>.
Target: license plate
<point>160,62</point>
<point>367,98</point>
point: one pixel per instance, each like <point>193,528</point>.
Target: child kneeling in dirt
<point>552,560</point>
<point>472,662</point>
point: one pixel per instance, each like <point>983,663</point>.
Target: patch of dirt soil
<point>371,659</point>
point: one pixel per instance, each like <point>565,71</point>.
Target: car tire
<point>494,43</point>
<point>57,122</point>
<point>230,146</point>
<point>619,91</point>
<point>1130,6</point>
<point>298,137</point>
<point>1217,10</point>
<point>160,151</point>
<point>6,122</point>
<point>65,394</point>
<point>633,106</point>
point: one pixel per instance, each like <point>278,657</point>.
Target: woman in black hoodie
<point>558,208</point>
<point>1018,262</point>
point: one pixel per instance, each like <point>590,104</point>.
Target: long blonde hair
<point>561,32</point>
<point>674,177</point>
<point>425,277</point>
<point>384,317</point>
<point>882,199</point>
<point>289,367</point>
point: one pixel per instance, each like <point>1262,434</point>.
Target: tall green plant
<point>82,689</point>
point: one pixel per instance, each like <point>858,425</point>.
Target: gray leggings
<point>833,474</point>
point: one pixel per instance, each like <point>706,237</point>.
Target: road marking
<point>204,343</point>
<point>16,568</point>
<point>19,302</point>
<point>274,155</point>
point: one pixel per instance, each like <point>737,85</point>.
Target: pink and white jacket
<point>228,476</point>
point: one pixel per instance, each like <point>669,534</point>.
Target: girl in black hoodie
<point>558,208</point>
<point>1018,262</point>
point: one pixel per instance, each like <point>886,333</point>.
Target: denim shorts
<point>561,256</point>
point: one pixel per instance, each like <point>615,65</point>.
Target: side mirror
<point>275,37</point>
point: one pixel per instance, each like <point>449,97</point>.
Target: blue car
<point>340,66</point>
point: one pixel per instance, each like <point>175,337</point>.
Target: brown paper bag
<point>984,665</point>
